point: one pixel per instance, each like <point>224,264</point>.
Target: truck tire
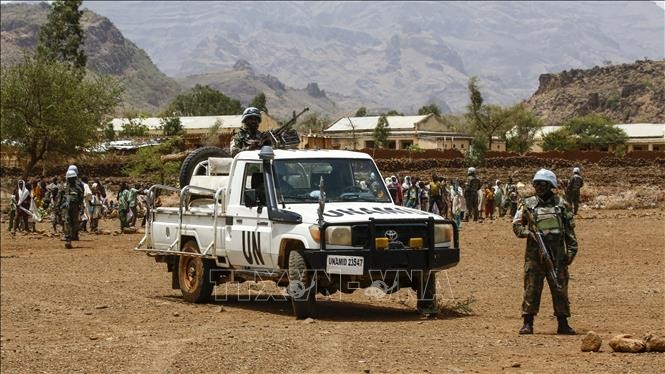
<point>302,287</point>
<point>193,159</point>
<point>194,275</point>
<point>426,294</point>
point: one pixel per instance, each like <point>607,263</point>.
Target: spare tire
<point>193,159</point>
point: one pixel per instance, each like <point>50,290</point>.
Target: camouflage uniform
<point>12,212</point>
<point>123,208</point>
<point>241,140</point>
<point>471,197</point>
<point>555,221</point>
<point>573,191</point>
<point>70,202</point>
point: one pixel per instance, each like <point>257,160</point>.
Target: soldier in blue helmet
<point>554,219</point>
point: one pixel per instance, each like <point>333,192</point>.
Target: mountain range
<point>391,55</point>
<point>108,51</point>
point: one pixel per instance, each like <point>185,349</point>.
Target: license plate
<point>351,265</point>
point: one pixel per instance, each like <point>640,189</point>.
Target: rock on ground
<point>591,342</point>
<point>625,343</point>
<point>655,343</point>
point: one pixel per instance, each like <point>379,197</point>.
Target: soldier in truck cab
<point>249,136</point>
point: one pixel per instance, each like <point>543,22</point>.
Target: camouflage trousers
<point>573,198</point>
<point>471,205</point>
<point>534,276</point>
<point>11,218</point>
<point>71,217</point>
<point>122,214</point>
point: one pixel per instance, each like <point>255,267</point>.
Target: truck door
<point>251,230</point>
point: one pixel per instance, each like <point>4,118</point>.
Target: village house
<point>425,132</point>
<point>197,128</point>
<point>641,137</point>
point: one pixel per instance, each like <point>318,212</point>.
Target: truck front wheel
<point>195,275</point>
<point>302,286</point>
<point>426,294</point>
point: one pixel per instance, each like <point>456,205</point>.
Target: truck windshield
<point>344,180</point>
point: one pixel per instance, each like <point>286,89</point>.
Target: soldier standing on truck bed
<point>554,220</point>
<point>249,135</point>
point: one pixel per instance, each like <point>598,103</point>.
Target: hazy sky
<point>660,3</point>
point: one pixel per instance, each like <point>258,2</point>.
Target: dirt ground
<point>103,308</point>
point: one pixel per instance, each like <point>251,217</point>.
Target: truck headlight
<point>443,233</point>
<point>338,235</point>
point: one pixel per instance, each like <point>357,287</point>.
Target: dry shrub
<point>588,193</point>
<point>456,307</point>
<point>632,198</point>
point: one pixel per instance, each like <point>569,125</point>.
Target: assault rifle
<point>283,136</point>
<point>550,269</point>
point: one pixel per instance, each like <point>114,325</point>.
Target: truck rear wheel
<point>195,275</point>
<point>302,286</point>
<point>189,165</point>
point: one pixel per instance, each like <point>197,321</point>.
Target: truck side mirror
<point>250,198</point>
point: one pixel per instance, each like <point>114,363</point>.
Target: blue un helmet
<point>546,176</point>
<point>71,173</point>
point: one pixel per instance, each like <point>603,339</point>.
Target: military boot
<point>68,244</point>
<point>527,328</point>
<point>564,328</point>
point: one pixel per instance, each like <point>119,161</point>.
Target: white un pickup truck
<point>314,221</point>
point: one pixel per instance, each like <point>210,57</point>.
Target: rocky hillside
<point>626,93</point>
<point>398,55</point>
<point>108,51</point>
<point>244,84</point>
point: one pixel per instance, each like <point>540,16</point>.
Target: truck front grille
<point>360,234</point>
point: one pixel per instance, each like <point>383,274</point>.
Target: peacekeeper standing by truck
<point>547,222</point>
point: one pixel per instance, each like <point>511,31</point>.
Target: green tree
<point>429,109</point>
<point>171,125</point>
<point>134,127</point>
<point>361,112</point>
<point>203,101</point>
<point>109,133</point>
<point>525,126</point>
<point>559,140</point>
<point>595,132</point>
<point>47,107</point>
<point>475,155</point>
<point>61,38</point>
<point>147,162</point>
<point>393,112</point>
<point>259,101</point>
<point>586,133</point>
<point>381,132</point>
<point>486,120</point>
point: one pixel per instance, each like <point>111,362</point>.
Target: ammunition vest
<point>548,219</point>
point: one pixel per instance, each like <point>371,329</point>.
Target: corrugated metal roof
<point>369,123</point>
<point>633,130</point>
<point>188,123</point>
